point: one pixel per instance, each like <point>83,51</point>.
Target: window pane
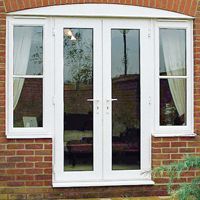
<point>173,102</point>
<point>78,88</point>
<point>28,102</point>
<point>28,50</point>
<point>126,91</point>
<point>172,52</point>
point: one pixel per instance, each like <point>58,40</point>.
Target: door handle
<point>108,104</point>
<point>95,100</point>
<point>96,104</point>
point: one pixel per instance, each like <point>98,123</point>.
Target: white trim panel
<point>101,10</point>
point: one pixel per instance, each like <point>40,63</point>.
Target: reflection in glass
<point>172,102</point>
<point>172,52</point>
<point>78,88</point>
<point>28,102</point>
<point>126,89</point>
<point>28,44</point>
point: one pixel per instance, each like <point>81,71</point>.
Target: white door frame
<point>60,174</point>
<point>102,174</point>
<point>145,73</point>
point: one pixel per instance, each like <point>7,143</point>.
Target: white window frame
<point>32,132</point>
<point>171,131</point>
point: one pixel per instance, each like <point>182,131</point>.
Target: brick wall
<point>25,164</point>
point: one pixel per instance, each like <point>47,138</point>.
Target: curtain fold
<point>173,47</point>
<point>22,46</point>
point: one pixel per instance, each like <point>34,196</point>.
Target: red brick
<point>170,150</point>
<point>24,177</point>
<point>34,146</point>
<point>178,144</point>
<point>193,144</point>
<point>15,146</point>
<point>34,158</point>
<point>7,153</point>
<point>162,180</point>
<point>43,152</point>
<point>24,165</point>
<point>15,159</point>
<point>177,156</point>
<point>48,146</point>
<point>187,150</point>
<point>15,171</point>
<point>15,184</point>
<point>161,144</point>
<point>47,171</point>
<point>161,156</point>
<point>43,177</point>
<point>34,183</point>
<point>48,158</point>
<point>43,141</point>
<point>34,171</point>
<point>25,152</point>
<point>6,178</point>
<point>43,164</point>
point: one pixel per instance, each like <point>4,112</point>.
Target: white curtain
<point>22,46</point>
<point>173,46</point>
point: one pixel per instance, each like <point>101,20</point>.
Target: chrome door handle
<point>96,102</point>
<point>108,104</point>
<point>108,100</point>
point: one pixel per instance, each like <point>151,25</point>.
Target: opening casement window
<point>28,108</point>
<point>174,79</point>
<point>100,85</point>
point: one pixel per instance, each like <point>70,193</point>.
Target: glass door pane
<point>78,92</point>
<point>125,71</point>
<point>78,100</point>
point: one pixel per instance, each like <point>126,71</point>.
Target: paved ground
<point>133,198</point>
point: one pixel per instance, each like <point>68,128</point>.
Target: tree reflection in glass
<point>126,89</point>
<point>78,87</point>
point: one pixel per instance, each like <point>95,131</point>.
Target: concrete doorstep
<point>132,198</point>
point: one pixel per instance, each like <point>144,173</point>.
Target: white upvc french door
<point>102,102</point>
<point>91,31</point>
<point>142,70</point>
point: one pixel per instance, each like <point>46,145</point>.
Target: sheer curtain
<point>22,46</point>
<point>173,46</point>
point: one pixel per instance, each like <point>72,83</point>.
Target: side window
<point>27,79</point>
<point>173,77</point>
<point>174,82</point>
<point>28,76</point>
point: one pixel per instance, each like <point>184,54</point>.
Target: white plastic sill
<point>27,136</point>
<point>174,134</point>
<point>103,183</point>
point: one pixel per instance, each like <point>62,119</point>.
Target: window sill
<point>27,136</point>
<point>174,134</point>
<point>103,183</point>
